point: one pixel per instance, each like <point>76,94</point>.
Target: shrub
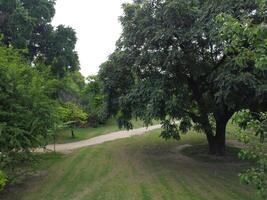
<point>3,180</point>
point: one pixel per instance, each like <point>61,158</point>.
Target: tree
<point>72,116</point>
<point>55,47</point>
<point>19,19</point>
<point>37,60</point>
<point>116,80</point>
<point>26,111</point>
<point>93,101</point>
<point>70,88</point>
<point>179,63</point>
<point>26,24</point>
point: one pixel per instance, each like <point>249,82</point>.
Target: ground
<point>69,147</point>
<point>142,167</point>
<point>64,136</point>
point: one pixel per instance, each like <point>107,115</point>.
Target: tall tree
<point>26,24</point>
<point>178,63</point>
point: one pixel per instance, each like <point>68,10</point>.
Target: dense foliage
<point>93,101</point>
<point>194,61</point>
<point>253,133</point>
<point>26,24</point>
<point>3,180</point>
<point>26,111</point>
<point>72,116</point>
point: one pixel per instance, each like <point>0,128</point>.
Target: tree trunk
<point>212,145</point>
<point>220,137</point>
<point>217,142</point>
<point>72,133</point>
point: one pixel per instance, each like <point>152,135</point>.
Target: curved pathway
<point>66,148</point>
<point>69,147</point>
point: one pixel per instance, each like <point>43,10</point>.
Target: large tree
<point>179,60</point>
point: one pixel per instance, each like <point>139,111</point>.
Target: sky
<point>97,25</point>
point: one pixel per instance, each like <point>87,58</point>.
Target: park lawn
<point>64,136</point>
<point>139,168</point>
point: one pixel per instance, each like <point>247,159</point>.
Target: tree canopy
<point>198,62</point>
<point>26,24</point>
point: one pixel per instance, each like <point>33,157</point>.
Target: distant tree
<point>181,60</point>
<point>72,116</point>
<point>57,50</point>
<point>70,88</point>
<point>26,24</point>
<point>93,101</point>
<point>116,79</point>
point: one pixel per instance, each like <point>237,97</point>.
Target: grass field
<point>64,136</point>
<point>139,168</point>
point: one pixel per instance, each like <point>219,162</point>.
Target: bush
<point>3,180</point>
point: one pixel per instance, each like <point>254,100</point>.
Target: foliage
<point>72,116</point>
<point>26,24</point>
<point>3,180</point>
<point>69,88</point>
<point>93,101</point>
<point>185,60</point>
<point>116,80</point>
<point>247,40</point>
<point>72,113</point>
<point>254,124</point>
<point>39,74</point>
<point>26,112</point>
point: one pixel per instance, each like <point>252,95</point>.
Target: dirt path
<point>69,147</point>
<point>66,148</point>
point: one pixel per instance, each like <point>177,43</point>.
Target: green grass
<point>64,136</point>
<point>139,168</point>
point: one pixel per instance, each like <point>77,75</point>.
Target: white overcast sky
<point>97,26</point>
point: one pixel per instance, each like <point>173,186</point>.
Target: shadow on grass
<point>200,153</point>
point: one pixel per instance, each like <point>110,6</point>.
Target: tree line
<point>41,88</point>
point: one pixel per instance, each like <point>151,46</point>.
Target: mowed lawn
<point>140,168</point>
